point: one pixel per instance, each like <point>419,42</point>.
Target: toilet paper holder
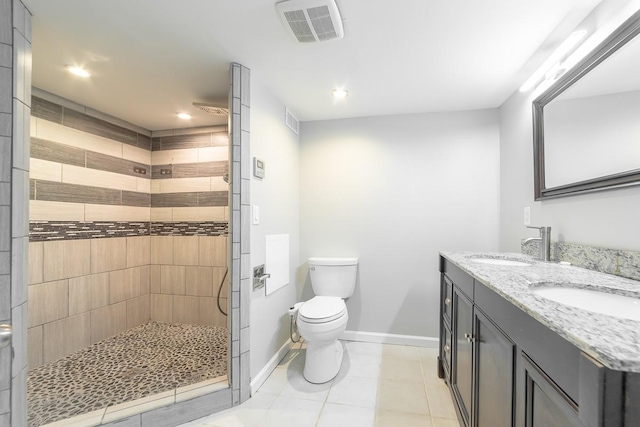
<point>259,277</point>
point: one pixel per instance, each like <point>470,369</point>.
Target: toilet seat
<point>322,309</point>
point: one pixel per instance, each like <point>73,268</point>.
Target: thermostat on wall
<point>258,168</point>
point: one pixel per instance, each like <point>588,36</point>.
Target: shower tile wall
<point>189,214</point>
<point>115,241</point>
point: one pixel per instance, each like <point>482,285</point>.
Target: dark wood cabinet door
<point>546,405</point>
<point>494,375</point>
<point>462,363</point>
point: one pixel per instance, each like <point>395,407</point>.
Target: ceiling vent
<point>311,21</point>
<point>291,121</point>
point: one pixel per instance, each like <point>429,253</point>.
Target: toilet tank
<point>333,277</point>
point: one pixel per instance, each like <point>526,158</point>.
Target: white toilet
<point>323,319</point>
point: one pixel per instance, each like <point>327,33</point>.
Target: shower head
<point>212,108</point>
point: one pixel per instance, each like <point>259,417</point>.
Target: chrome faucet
<point>545,242</point>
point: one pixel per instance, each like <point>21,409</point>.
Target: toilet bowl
<point>323,319</point>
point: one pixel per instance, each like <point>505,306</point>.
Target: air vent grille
<point>291,122</point>
<point>311,21</point>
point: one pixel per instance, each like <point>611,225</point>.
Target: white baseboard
<point>264,373</point>
<point>376,337</point>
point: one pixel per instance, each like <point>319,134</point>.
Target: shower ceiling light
<point>78,71</point>
<point>184,116</point>
<point>340,93</point>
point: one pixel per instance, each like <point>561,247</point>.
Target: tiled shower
<point>127,228</point>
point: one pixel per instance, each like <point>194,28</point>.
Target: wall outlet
<point>527,215</point>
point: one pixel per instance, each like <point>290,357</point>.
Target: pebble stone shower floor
<point>136,363</point>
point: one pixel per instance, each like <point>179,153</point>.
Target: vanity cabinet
<point>481,367</point>
<point>506,369</point>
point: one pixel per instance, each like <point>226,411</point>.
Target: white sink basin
<point>621,306</point>
<point>498,261</point>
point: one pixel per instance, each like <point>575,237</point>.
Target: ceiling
<point>150,59</point>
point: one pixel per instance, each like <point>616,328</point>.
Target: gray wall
<point>278,196</point>
<point>607,219</point>
<point>394,191</point>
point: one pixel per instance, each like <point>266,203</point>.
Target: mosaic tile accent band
<point>611,261</point>
<point>42,231</point>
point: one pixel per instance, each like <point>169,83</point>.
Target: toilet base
<point>323,361</point>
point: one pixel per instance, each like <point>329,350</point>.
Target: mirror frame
<point>621,36</point>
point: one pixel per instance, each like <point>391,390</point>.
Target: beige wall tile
<point>161,249</point>
<point>55,211</point>
<point>213,154</point>
<point>185,185</point>
<point>136,154</point>
<point>208,213</point>
<point>199,281</point>
<point>34,344</point>
<point>65,336</point>
<point>165,157</point>
<point>161,214</point>
<point>213,251</point>
<point>186,310</point>
<point>124,284</point>
<point>218,275</point>
<point>116,213</point>
<point>172,280</point>
<point>138,311</point>
<point>209,314</point>
<point>144,279</point>
<point>36,262</point>
<point>161,308</point>
<point>143,185</point>
<point>53,261</point>
<point>48,302</point>
<point>155,186</point>
<point>77,258</point>
<point>108,321</point>
<point>138,251</point>
<point>88,293</point>
<point>65,135</point>
<point>97,178</point>
<point>218,184</point>
<point>108,254</point>
<point>185,250</point>
<point>43,169</point>
<point>154,279</point>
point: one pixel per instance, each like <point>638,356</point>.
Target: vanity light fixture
<point>78,71</point>
<point>340,93</point>
<point>555,60</point>
<point>184,116</point>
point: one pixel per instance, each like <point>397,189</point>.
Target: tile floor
<point>379,385</point>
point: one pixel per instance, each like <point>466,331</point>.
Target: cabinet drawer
<point>446,302</point>
<point>462,280</point>
<point>446,353</point>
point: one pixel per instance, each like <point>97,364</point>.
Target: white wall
<point>606,219</point>
<point>394,191</point>
<point>278,196</point>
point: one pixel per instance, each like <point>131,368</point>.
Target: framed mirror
<point>586,126</point>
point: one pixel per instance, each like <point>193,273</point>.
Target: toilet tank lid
<point>332,261</point>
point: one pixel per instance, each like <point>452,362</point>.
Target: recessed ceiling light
<point>184,116</point>
<point>340,93</point>
<point>81,72</point>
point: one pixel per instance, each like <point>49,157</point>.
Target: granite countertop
<point>613,341</point>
